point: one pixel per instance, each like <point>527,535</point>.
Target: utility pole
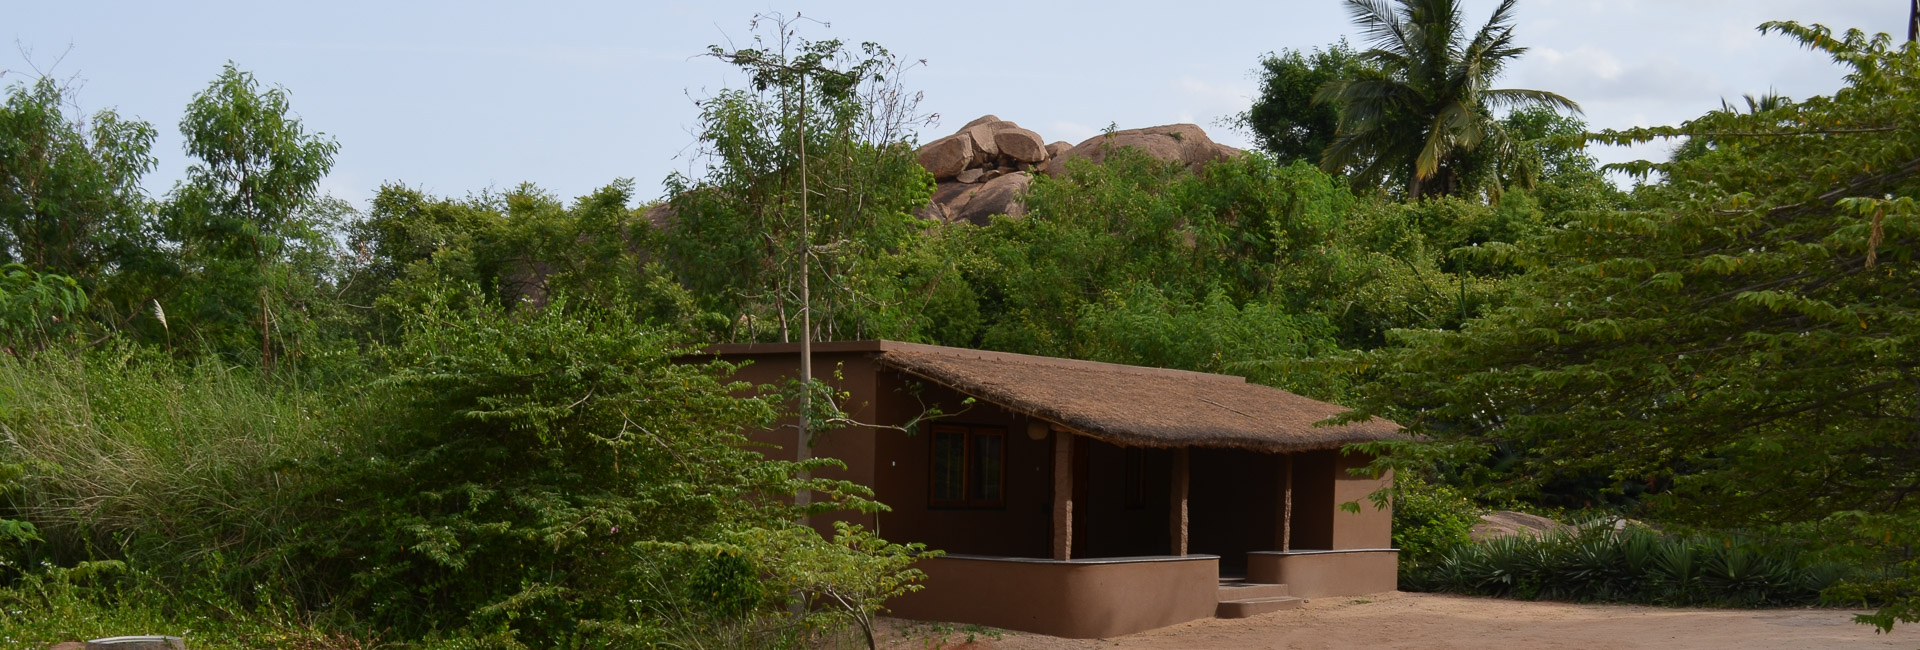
<point>775,68</point>
<point>805,446</point>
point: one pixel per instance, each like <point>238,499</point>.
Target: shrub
<point>544,474</point>
<point>101,599</point>
<point>35,306</point>
<point>1631,565</point>
<point>1429,518</point>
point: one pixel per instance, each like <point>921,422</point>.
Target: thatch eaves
<point>1124,405</point>
<point>1135,406</point>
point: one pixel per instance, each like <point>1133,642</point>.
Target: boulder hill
<point>984,168</point>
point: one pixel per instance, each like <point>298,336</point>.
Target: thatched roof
<point>1136,406</point>
<point>1120,404</point>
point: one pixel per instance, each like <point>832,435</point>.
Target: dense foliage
<point>1419,109</point>
<point>1285,120</point>
<point>743,237</point>
<point>459,422</point>
<point>1633,565</point>
<point>1429,519</point>
<point>471,432</point>
<point>1734,348</point>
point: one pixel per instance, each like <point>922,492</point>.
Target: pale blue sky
<point>455,97</point>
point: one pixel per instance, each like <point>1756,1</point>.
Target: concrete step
<point>1255,606</point>
<point>1237,590</point>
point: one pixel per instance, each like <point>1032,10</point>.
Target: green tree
<point>1552,163</point>
<point>246,209</point>
<point>1138,261</point>
<point>518,247</point>
<point>1285,120</point>
<point>818,115</point>
<point>1423,99</point>
<point>34,306</point>
<point>1739,346</point>
<point>542,473</point>
<point>1755,104</point>
<point>70,197</point>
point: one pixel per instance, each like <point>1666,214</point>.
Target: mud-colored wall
<point>1372,527</point>
<point>852,372</point>
<point>1081,599</point>
<point>1321,483</point>
<point>1319,574</point>
<point>1020,528</point>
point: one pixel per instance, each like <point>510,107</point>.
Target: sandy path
<point>1410,620</point>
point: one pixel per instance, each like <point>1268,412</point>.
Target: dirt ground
<point>1411,620</point>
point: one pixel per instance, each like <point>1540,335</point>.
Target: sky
<point>458,97</point>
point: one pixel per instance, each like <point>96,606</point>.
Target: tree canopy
<point>1424,96</point>
<point>1285,120</point>
<point>1739,341</point>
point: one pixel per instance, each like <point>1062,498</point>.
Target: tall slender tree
<point>246,200</point>
<point>1425,98</point>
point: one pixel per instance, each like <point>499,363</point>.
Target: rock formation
<point>1183,142</point>
<point>985,167</point>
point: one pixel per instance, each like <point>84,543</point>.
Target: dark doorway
<point>1234,505</point>
<point>1121,499</point>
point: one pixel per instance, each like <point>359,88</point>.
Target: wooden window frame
<point>967,462</point>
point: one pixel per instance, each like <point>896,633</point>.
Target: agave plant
<point>1736,575</point>
<point>1676,571</point>
<point>1591,566</point>
<point>1638,550</point>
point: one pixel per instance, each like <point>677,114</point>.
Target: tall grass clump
<point>102,599</point>
<point>1633,565</point>
<point>128,453</point>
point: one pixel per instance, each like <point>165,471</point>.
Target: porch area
<point>1140,538</point>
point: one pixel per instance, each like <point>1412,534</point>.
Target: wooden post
<point>1286,513</point>
<point>1177,507</point>
<point>1062,495</point>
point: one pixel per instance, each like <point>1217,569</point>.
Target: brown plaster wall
<point>1319,574</point>
<point>1074,599</point>
<point>1372,527</point>
<point>851,372</point>
<point>1022,528</point>
<point>895,463</point>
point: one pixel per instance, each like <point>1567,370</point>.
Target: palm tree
<point>1424,100</point>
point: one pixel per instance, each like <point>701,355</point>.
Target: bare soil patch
<point>1413,620</point>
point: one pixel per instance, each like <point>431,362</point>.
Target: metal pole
<point>806,306</point>
<point>1913,21</point>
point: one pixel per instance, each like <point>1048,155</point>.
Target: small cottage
<point>1084,499</point>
